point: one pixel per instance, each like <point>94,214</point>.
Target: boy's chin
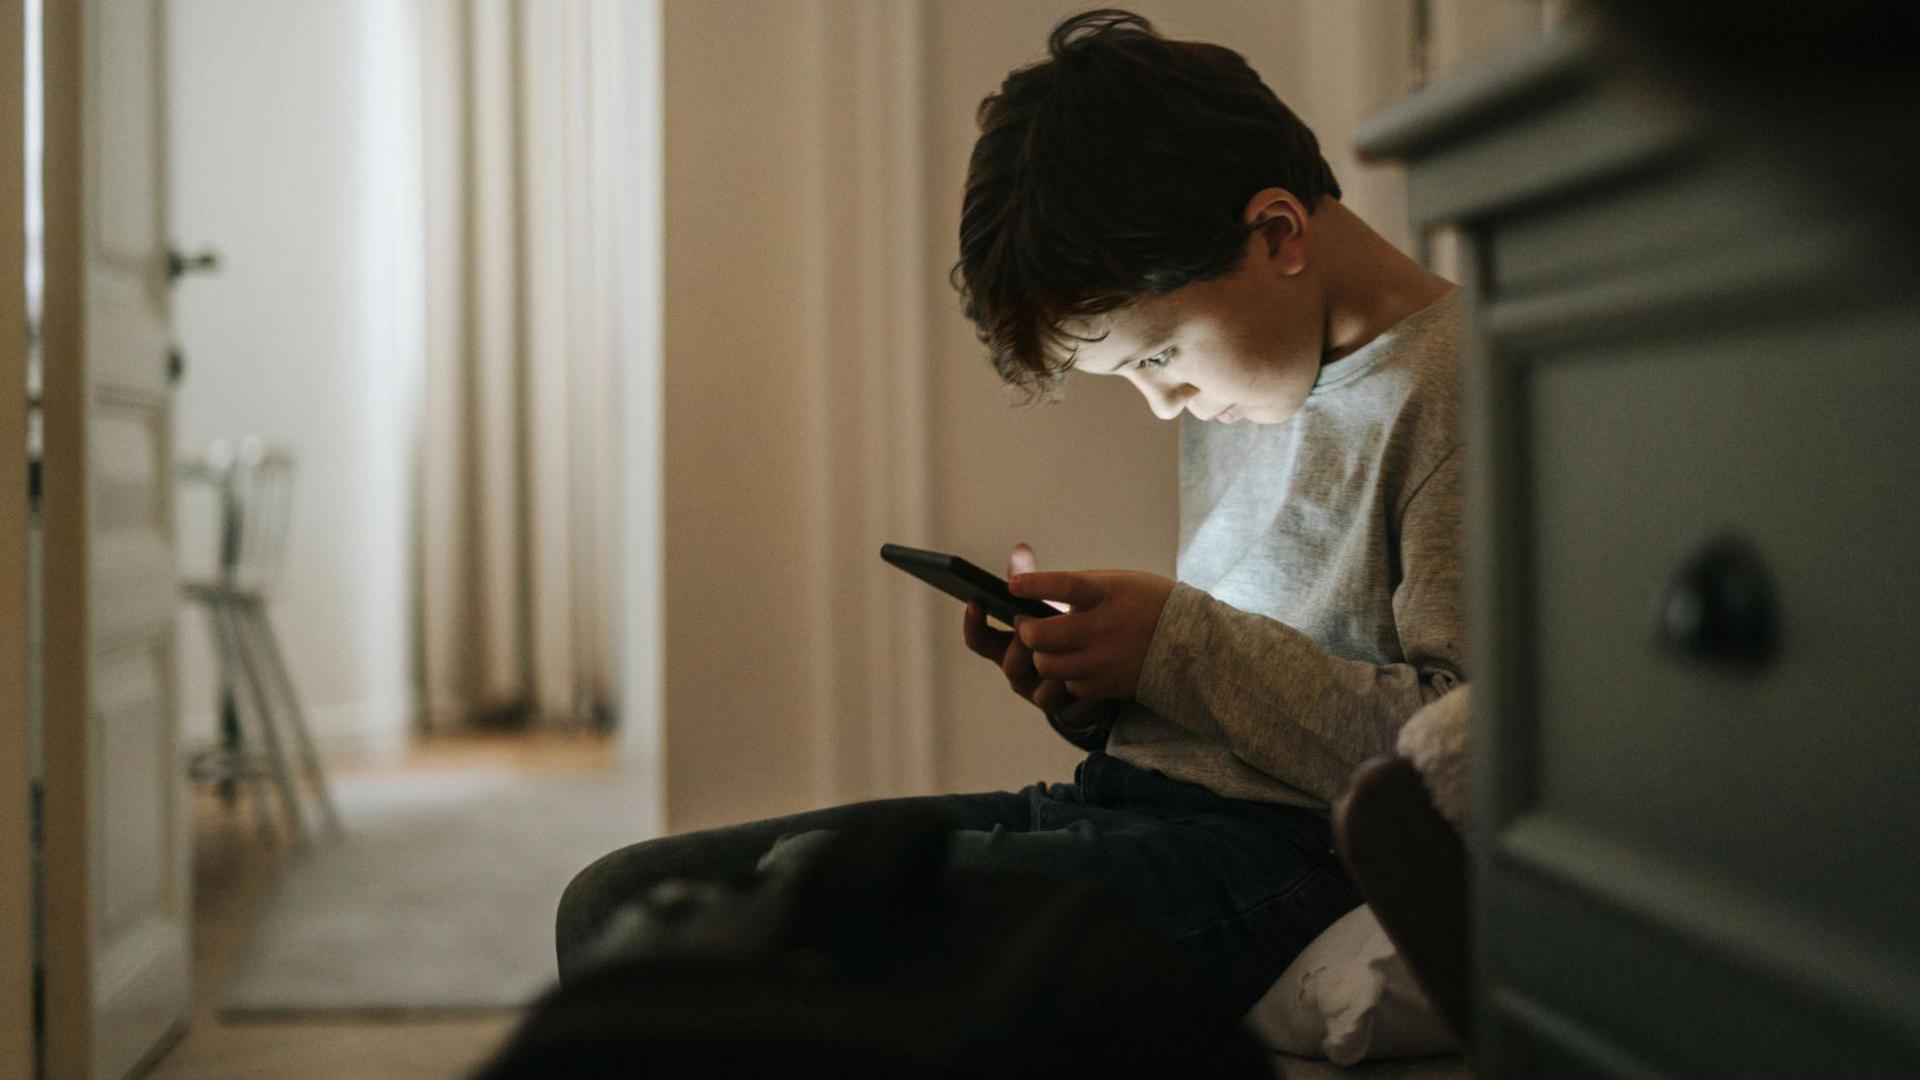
<point>1274,412</point>
<point>1232,414</point>
<point>1266,416</point>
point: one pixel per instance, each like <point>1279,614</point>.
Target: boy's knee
<point>622,877</point>
<point>593,894</point>
<point>792,849</point>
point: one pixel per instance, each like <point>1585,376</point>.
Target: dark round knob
<point>1720,608</point>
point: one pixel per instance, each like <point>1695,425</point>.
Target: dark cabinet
<point>1695,565</point>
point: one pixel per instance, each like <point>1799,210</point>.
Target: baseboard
<point>362,733</point>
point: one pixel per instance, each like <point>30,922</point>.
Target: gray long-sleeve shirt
<point>1319,602</point>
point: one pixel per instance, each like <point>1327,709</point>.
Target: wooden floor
<point>233,868</point>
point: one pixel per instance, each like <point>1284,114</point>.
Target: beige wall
<point>738,664</point>
<point>823,393</point>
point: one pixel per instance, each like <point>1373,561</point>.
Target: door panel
<point>129,460</point>
<point>126,98</point>
<point>134,843</point>
<point>118,911</point>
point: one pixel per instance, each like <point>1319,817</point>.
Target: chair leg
<point>251,667</point>
<point>276,663</point>
<point>224,652</point>
<point>228,786</point>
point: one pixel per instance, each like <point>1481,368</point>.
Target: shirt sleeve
<point>1287,706</point>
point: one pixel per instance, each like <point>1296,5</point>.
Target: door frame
<point>16,764</point>
<point>65,654</point>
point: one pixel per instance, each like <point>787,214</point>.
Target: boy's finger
<point>983,640</point>
<point>1083,688</point>
<point>1062,633</point>
<point>1017,664</point>
<point>1076,589</point>
<point>1021,560</point>
<point>1065,667</point>
<point>1052,696</point>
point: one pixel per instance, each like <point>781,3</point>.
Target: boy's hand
<point>1097,648</point>
<point>1016,660</point>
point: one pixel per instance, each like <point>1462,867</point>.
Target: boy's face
<point>1243,346</point>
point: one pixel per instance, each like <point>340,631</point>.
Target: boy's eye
<point>1157,360</point>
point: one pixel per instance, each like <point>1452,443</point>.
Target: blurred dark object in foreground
<point>1693,414</point>
<point>865,957</point>
<point>1832,89</point>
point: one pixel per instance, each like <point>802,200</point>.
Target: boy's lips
<point>1227,415</point>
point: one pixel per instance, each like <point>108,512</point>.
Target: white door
<point>118,911</point>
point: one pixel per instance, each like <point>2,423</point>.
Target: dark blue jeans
<point>1240,887</point>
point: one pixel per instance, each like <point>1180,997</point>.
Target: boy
<point>1147,209</point>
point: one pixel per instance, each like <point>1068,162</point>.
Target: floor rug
<point>440,896</point>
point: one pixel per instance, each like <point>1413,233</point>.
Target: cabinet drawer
<point>1801,438</point>
<point>1679,211</point>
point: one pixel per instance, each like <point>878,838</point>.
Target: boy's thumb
<point>1021,561</point>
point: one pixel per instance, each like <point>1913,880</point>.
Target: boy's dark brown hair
<point>1119,167</point>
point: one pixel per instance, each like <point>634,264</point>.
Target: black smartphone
<point>962,580</point>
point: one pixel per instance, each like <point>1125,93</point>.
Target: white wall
<point>290,153</point>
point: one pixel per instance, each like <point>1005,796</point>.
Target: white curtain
<point>526,156</point>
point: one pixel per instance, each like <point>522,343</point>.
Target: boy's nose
<point>1166,402</point>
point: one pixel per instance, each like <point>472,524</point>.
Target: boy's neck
<point>1369,284</point>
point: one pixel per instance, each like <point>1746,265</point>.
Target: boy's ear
<point>1279,230</point>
